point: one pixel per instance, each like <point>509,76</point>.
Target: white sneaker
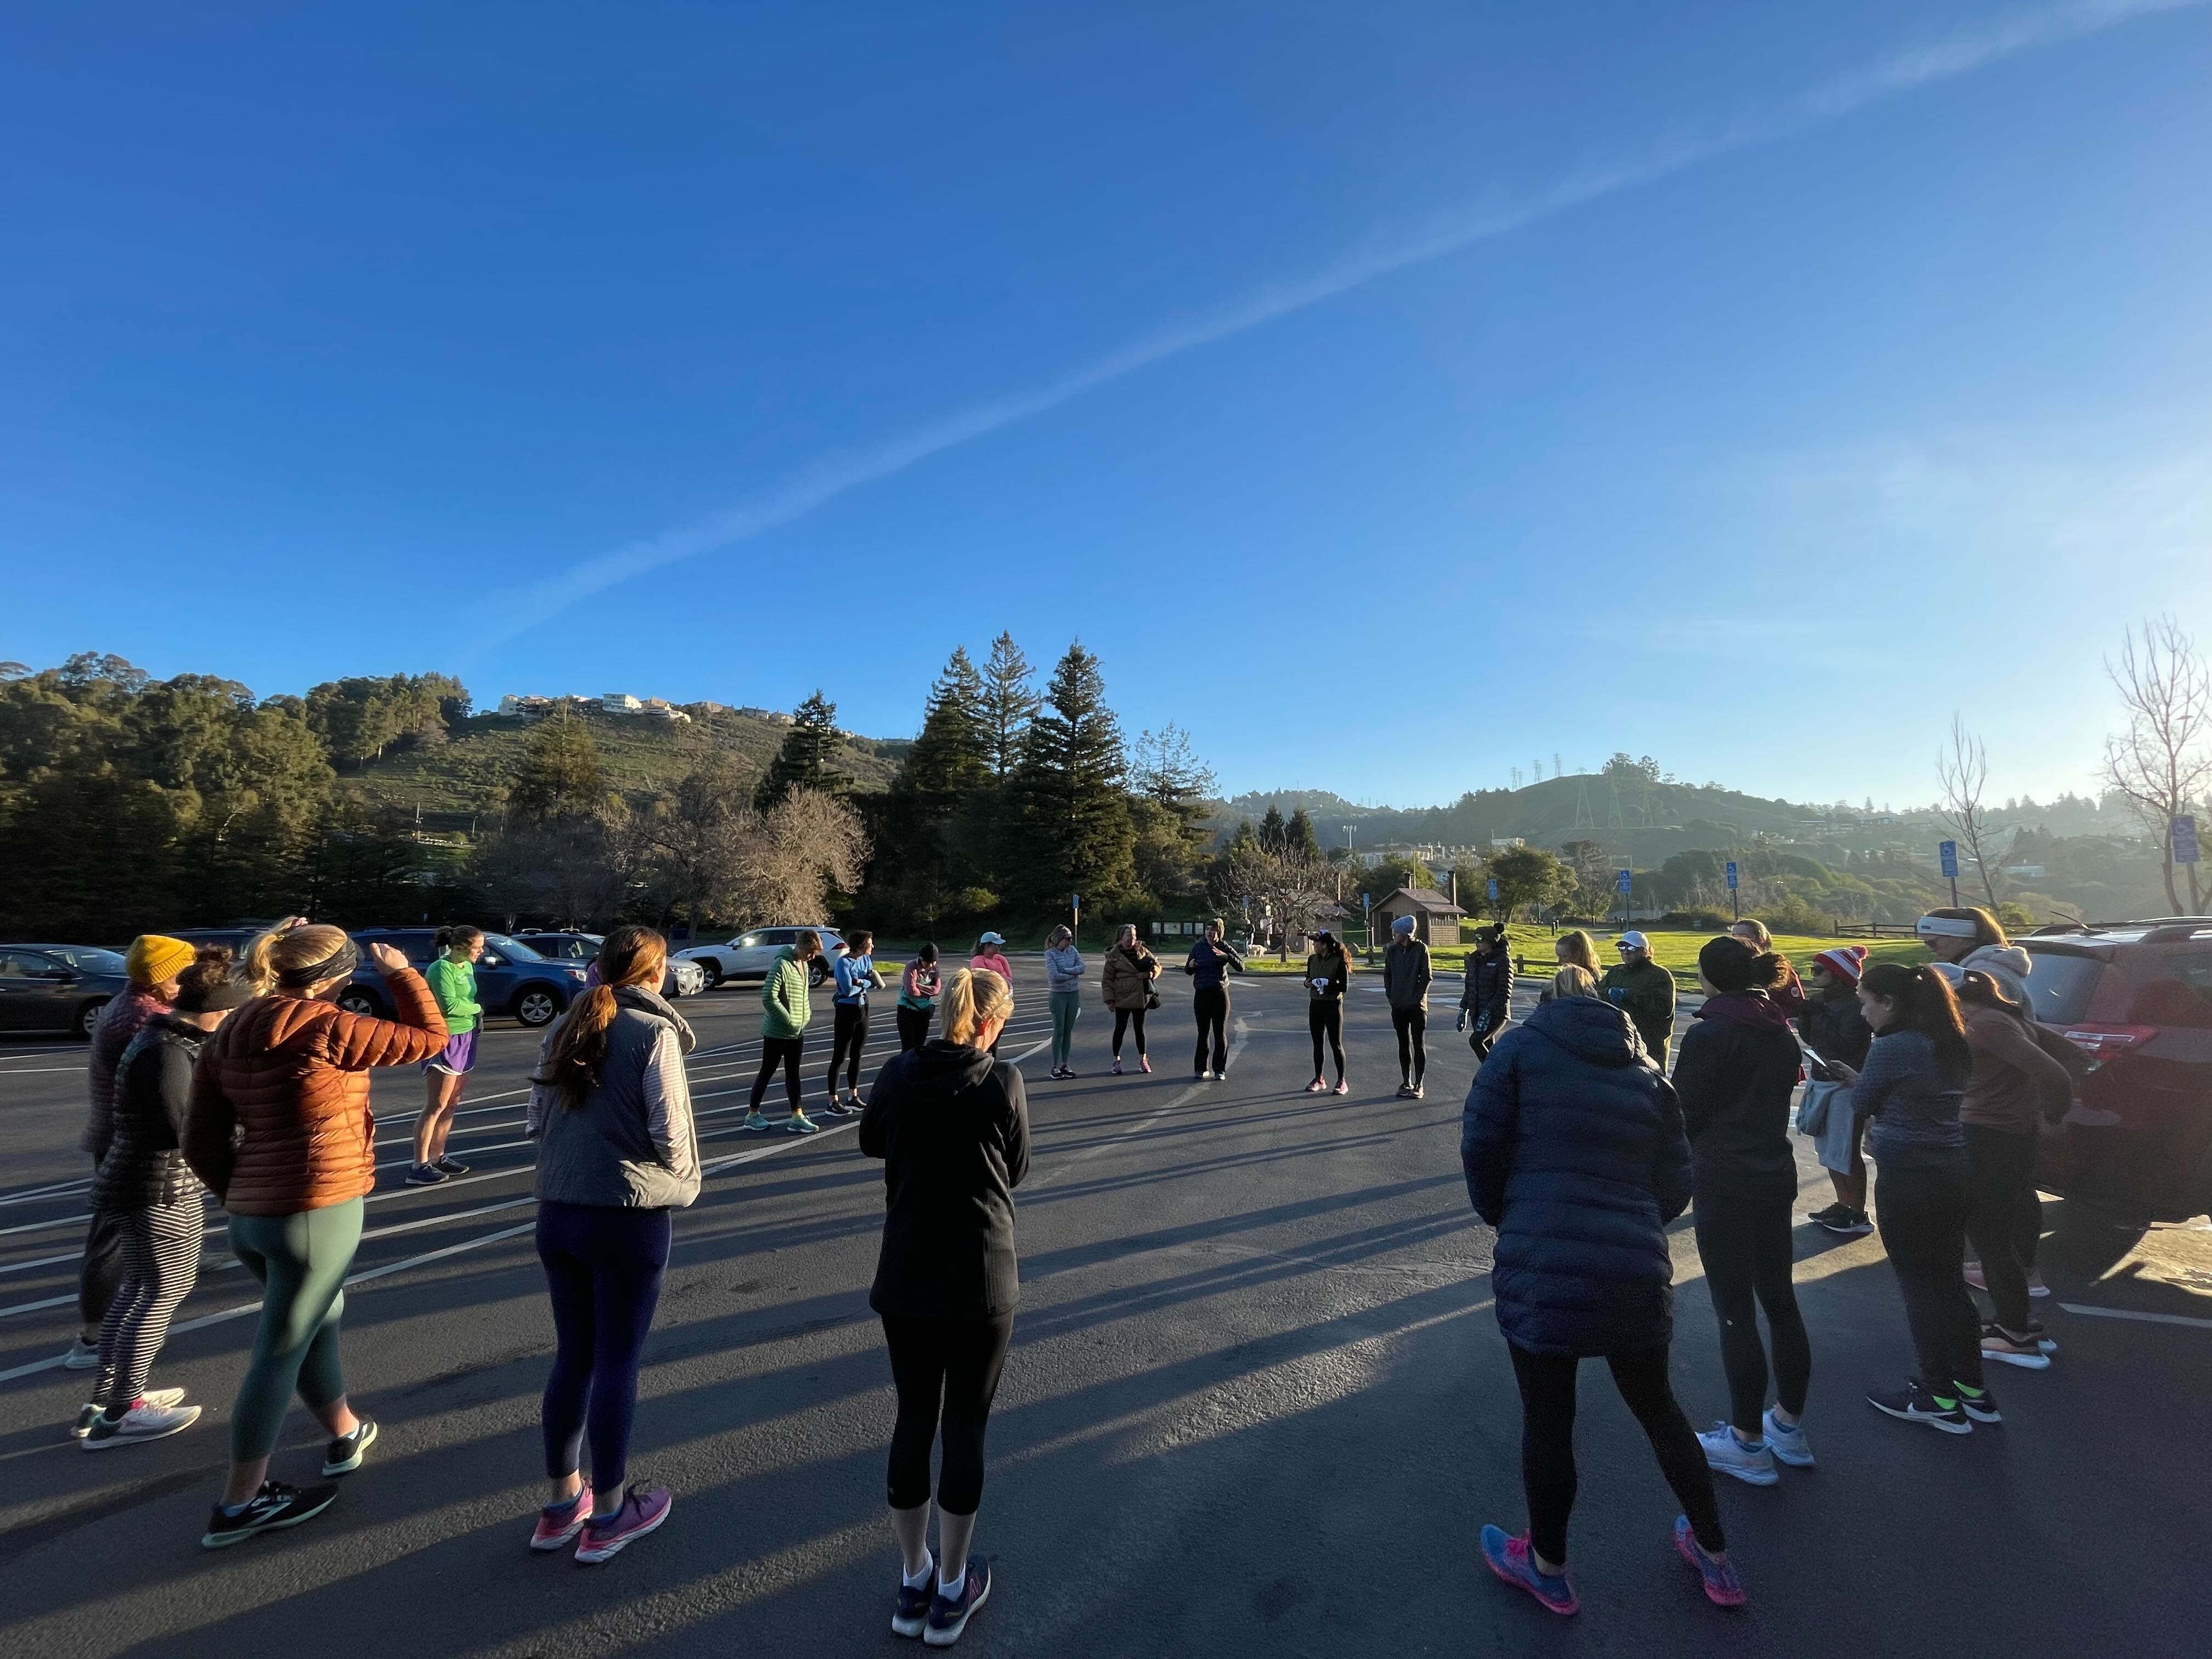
<point>82,1356</point>
<point>140,1423</point>
<point>1788,1445</point>
<point>1726,1455</point>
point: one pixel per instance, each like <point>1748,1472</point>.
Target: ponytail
<point>1924,1003</point>
<point>971,997</point>
<point>631,955</point>
<point>457,934</point>
<point>1730,964</point>
<point>297,958</point>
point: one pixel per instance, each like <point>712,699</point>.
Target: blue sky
<point>1748,386</point>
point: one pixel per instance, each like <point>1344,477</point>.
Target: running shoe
<point>343,1454</point>
<point>1850,1224</point>
<point>755,1122</point>
<point>143,1421</point>
<point>1978,1403</point>
<point>1726,1455</point>
<point>2023,1351</point>
<point>853,1104</point>
<point>1317,1087</point>
<point>274,1507</point>
<point>558,1522</point>
<point>2036,1287</point>
<point>425,1175</point>
<point>1421,1092</point>
<point>452,1166</point>
<point>1342,1087</point>
<point>83,1426</point>
<point>2042,1338</point>
<point>1405,1092</point>
<point>949,1614</point>
<point>1206,1076</point>
<point>1835,1211</point>
<point>163,1398</point>
<point>912,1614</point>
<point>833,1107</point>
<point>1915,1402</point>
<point>1145,1063</point>
<point>1117,1065</point>
<point>1722,1588</point>
<point>642,1512</point>
<point>1787,1443</point>
<point>82,1356</point>
<point>1512,1560</point>
<point>800,1124</point>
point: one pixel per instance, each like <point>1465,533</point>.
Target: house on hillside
<point>620,702</point>
<point>1436,918</point>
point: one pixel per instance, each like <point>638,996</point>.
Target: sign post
<point>1493,900</point>
<point>1735,904</point>
<point>1626,881</point>
<point>2182,832</point>
<point>1946,853</point>
<point>1367,915</point>
<point>1075,918</point>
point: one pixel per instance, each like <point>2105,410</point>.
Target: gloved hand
<point>1482,1022</point>
<point>1462,1025</point>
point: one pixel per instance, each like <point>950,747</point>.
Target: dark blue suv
<point>511,978</point>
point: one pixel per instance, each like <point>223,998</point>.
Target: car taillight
<point>2102,1042</point>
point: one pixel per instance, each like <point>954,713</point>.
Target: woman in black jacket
<point>952,1125</point>
<point>1734,1072</point>
<point>1573,1148</point>
<point>1488,993</point>
<point>158,1205</point>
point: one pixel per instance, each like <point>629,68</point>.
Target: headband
<point>1947,928</point>
<point>343,960</point>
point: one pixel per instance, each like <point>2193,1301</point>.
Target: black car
<point>511,978</point>
<point>56,988</point>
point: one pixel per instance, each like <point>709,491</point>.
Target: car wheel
<point>711,969</point>
<point>538,1006</point>
<point>355,1001</point>
<point>86,1015</point>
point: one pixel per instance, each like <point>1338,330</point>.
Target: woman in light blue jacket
<point>1064,969</point>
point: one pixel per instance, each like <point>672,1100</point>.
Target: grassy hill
<point>467,777</point>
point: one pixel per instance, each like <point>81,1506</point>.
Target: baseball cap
<point>1632,940</point>
<point>992,938</point>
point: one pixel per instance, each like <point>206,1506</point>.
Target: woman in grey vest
<point>610,1109</point>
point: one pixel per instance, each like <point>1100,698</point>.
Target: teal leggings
<point>301,1262</point>
<point>1066,1004</point>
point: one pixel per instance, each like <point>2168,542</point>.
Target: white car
<point>682,979</point>
<point>748,955</point>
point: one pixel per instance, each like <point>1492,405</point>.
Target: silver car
<point>748,955</point>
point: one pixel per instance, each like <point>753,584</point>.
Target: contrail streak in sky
<point>834,474</point>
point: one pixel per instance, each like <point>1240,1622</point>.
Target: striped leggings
<point>161,1260</point>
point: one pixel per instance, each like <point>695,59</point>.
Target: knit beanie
<point>153,957</point>
<point>1403,925</point>
<point>1845,962</point>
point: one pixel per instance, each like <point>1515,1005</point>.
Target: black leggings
<point>1123,1019</point>
<point>1921,1213</point>
<point>1411,1024</point>
<point>913,1027</point>
<point>956,1362</point>
<point>1211,1003</point>
<point>2004,1216</point>
<point>1325,1017</point>
<point>1547,1443</point>
<point>775,1052</point>
<point>849,1035</point>
<point>1745,1245</point>
<point>603,1270</point>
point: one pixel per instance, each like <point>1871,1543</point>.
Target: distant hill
<point>467,777</point>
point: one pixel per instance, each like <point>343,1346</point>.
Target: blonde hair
<point>285,953</point>
<point>973,996</point>
<point>1574,980</point>
<point>1576,948</point>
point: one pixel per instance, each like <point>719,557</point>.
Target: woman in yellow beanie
<point>151,965</point>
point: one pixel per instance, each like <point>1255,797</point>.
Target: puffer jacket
<point>1064,969</point>
<point>631,1142</point>
<point>1835,1028</point>
<point>1406,973</point>
<point>784,999</point>
<point>145,1166</point>
<point>1572,1144</point>
<point>279,1121</point>
<point>1488,993</point>
<point>111,1032</point>
<point>1128,977</point>
<point>1734,1076</point>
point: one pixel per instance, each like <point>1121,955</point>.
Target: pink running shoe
<point>641,1513</point>
<point>1512,1560</point>
<point>558,1522</point>
<point>1117,1065</point>
<point>1722,1588</point>
<point>1342,1087</point>
<point>1144,1062</point>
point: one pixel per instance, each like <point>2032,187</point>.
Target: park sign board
<point>1731,875</point>
<point>2184,833</point>
<point>1947,854</point>
<point>1626,881</point>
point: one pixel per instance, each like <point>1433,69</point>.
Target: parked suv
<point>748,955</point>
<point>2135,997</point>
<point>511,978</point>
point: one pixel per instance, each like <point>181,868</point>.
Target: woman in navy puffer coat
<point>1573,1146</point>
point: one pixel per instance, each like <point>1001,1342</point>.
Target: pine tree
<point>804,762</point>
<point>1273,833</point>
<point>953,753</point>
<point>560,776</point>
<point>1076,833</point>
<point>1298,835</point>
<point>1009,703</point>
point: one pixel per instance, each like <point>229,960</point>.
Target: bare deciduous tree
<point>1292,890</point>
<point>1964,769</point>
<point>2163,762</point>
<point>808,844</point>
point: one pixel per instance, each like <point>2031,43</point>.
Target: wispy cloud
<point>832,475</point>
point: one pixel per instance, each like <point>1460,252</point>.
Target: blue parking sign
<point>1731,875</point>
<point>1493,889</point>
<point>2184,831</point>
<point>1626,881</point>
<point>1947,852</point>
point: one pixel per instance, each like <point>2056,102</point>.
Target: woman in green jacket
<point>452,981</point>
<point>783,1029</point>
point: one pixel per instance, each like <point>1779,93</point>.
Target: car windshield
<point>2061,982</point>
<point>513,949</point>
<point>87,959</point>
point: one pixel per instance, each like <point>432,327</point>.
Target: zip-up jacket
<point>145,1163</point>
<point>630,1143</point>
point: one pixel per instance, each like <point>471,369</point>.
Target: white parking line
<point>2129,1313</point>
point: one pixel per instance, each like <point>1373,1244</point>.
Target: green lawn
<point>1675,952</point>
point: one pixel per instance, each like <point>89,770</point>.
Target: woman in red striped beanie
<point>1834,1028</point>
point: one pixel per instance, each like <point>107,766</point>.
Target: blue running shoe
<point>912,1615</point>
<point>1722,1588</point>
<point>1512,1560</point>
<point>949,1614</point>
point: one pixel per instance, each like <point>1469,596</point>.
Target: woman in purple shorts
<point>453,980</point>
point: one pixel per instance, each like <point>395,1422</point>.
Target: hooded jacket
<point>1834,1028</point>
<point>2009,966</point>
<point>1064,969</point>
<point>2015,1082</point>
<point>145,1166</point>
<point>1331,969</point>
<point>952,1127</point>
<point>784,997</point>
<point>1128,980</point>
<point>1406,973</point>
<point>1572,1144</point>
<point>279,1121</point>
<point>1488,993</point>
<point>111,1032</point>
<point>1735,1072</point>
<point>630,1143</point>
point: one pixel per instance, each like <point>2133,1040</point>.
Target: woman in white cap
<point>990,958</point>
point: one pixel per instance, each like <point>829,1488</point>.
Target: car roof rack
<point>2175,932</point>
